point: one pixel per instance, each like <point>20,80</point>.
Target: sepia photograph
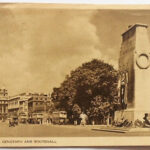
<point>74,75</point>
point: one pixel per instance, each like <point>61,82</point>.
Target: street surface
<point>30,130</point>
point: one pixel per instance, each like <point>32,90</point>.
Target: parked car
<point>13,122</point>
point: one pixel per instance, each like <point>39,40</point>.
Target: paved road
<point>57,131</point>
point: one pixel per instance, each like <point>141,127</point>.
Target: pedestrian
<point>75,122</point>
<point>83,118</point>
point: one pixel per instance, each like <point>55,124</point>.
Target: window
<point>21,103</point>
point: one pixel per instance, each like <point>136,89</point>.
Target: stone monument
<point>134,70</point>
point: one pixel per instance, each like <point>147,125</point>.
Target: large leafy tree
<point>91,88</point>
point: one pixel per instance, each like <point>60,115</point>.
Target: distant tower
<point>134,68</point>
<point>3,104</point>
<point>3,92</point>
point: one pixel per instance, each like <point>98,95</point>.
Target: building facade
<point>13,106</point>
<point>29,106</point>
<point>38,106</point>
<point>3,104</point>
<point>18,107</point>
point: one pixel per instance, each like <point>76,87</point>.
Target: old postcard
<point>74,75</point>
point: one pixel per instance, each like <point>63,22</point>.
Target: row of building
<point>24,106</point>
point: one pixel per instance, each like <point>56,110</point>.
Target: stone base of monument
<point>131,115</point>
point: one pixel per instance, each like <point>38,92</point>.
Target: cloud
<point>40,47</point>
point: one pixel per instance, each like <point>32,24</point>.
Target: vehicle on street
<point>13,121</point>
<point>59,117</point>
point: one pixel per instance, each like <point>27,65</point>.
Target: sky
<point>40,46</point>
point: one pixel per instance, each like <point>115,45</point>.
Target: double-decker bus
<point>59,117</point>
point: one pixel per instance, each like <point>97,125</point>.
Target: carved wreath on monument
<point>143,61</point>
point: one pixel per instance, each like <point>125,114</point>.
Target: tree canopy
<point>91,88</point>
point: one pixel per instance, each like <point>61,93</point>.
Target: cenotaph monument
<point>134,70</point>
